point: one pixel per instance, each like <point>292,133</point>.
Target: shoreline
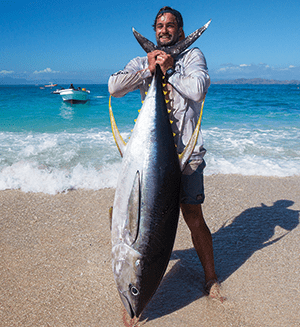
<point>55,267</point>
<point>206,176</point>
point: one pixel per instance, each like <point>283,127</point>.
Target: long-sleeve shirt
<point>186,88</point>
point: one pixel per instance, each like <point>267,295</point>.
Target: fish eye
<point>134,291</point>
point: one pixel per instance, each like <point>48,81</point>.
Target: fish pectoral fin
<point>117,136</point>
<point>133,219</point>
<point>188,150</point>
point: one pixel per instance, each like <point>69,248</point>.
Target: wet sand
<point>55,267</point>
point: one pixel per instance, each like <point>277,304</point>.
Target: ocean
<point>49,146</point>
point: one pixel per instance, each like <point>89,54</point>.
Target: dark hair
<point>172,11</point>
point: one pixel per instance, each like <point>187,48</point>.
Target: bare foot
<point>213,290</point>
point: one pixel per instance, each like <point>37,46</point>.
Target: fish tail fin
<point>147,45</point>
<point>173,50</point>
<point>117,136</point>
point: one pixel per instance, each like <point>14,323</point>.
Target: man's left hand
<point>165,61</point>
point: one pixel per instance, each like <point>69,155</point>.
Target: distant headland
<point>256,81</point>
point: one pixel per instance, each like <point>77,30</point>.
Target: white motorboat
<point>72,95</point>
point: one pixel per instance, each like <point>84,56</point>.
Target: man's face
<point>166,30</point>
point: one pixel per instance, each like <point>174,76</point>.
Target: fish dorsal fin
<point>117,136</point>
<point>173,50</point>
<point>133,219</point>
<point>188,150</point>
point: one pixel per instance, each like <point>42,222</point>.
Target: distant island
<point>23,81</point>
<point>256,81</point>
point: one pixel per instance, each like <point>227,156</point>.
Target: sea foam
<point>49,146</point>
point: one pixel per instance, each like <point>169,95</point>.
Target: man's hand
<point>159,57</point>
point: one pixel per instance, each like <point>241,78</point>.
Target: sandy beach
<point>55,267</point>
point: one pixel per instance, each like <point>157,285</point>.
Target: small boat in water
<point>50,85</point>
<point>72,95</point>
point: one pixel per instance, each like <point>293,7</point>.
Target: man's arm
<point>130,78</point>
<point>193,83</point>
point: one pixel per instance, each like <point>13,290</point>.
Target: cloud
<point>6,72</point>
<point>45,71</point>
<point>261,70</point>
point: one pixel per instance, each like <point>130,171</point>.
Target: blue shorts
<point>192,188</point>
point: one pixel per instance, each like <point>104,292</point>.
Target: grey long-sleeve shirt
<point>186,88</point>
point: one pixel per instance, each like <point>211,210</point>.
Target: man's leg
<point>202,241</point>
<point>201,237</point>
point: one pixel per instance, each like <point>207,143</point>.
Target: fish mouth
<point>127,305</point>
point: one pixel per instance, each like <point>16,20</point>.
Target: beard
<point>165,40</point>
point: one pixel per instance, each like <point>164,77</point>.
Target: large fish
<point>146,205</point>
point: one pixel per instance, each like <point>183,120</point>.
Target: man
<point>187,84</point>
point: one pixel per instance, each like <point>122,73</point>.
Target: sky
<point>89,40</point>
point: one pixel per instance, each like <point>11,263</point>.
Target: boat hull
<point>74,96</point>
<point>51,85</point>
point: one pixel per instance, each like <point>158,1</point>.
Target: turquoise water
<point>49,146</point>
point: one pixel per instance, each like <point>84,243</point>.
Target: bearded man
<point>187,84</point>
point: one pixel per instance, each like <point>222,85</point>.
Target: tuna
<point>147,200</point>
